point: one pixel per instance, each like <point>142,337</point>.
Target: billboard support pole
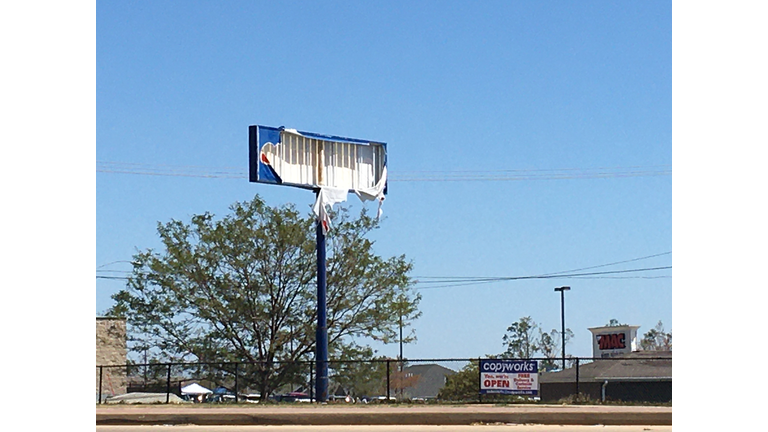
<point>321,337</point>
<point>270,161</point>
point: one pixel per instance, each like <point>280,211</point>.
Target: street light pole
<point>562,315</point>
<point>401,341</point>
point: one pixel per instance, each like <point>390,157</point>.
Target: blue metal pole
<point>321,383</point>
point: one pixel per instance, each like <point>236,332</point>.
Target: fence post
<point>311,381</point>
<point>168,386</point>
<point>236,389</point>
<point>577,377</point>
<point>101,374</point>
<point>388,381</point>
<point>479,382</point>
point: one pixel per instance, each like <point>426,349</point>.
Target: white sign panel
<point>311,161</point>
<point>517,377</point>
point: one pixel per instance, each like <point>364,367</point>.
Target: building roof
<point>635,366</point>
<point>431,379</point>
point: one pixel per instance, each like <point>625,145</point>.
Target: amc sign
<point>612,341</point>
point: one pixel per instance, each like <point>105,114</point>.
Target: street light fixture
<point>562,315</point>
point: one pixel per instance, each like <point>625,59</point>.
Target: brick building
<point>111,349</point>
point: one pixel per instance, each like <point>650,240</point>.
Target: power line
<point>401,176</point>
<point>465,278</point>
<point>478,281</point>
<point>472,280</point>
<point>112,277</point>
<point>114,262</point>
<point>566,174</point>
<point>448,283</point>
<point>614,263</point>
<point>623,277</point>
<point>536,169</point>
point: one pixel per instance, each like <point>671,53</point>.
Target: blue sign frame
<point>258,136</point>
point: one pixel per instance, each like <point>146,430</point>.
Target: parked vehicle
<point>291,397</point>
<point>377,399</point>
<point>250,397</point>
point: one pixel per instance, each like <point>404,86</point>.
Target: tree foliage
<point>525,339</point>
<point>521,340</point>
<point>463,385</point>
<point>613,322</point>
<point>656,339</point>
<point>359,378</point>
<point>243,288</point>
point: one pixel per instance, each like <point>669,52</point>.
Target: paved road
<point>382,415</point>
<point>389,428</point>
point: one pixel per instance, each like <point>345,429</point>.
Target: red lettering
<point>491,383</point>
<point>602,341</point>
<point>612,341</point>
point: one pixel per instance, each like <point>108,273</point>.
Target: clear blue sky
<point>565,106</point>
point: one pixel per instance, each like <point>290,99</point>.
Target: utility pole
<point>562,315</point>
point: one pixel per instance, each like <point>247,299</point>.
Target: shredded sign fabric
<point>329,196</point>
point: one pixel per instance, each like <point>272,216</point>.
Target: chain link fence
<point>640,378</point>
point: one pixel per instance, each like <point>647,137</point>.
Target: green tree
<point>359,378</point>
<point>614,323</point>
<point>243,289</point>
<point>656,339</point>
<point>522,339</point>
<point>463,385</point>
<point>525,339</point>
<point>550,345</point>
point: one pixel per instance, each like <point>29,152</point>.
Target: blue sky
<point>499,80</point>
<point>567,106</point>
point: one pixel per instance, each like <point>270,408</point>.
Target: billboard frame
<point>260,170</point>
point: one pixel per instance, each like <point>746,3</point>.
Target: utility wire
<point>474,280</point>
<point>562,276</point>
<point>459,278</point>
<point>114,262</point>
<point>401,176</point>
<point>534,169</point>
<point>611,264</point>
<point>464,281</point>
<point>479,281</point>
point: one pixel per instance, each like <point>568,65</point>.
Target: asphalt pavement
<point>394,428</point>
<point>275,415</point>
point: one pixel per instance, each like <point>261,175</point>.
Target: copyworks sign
<point>517,377</point>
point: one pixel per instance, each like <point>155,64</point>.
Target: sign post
<point>321,337</point>
<point>331,166</point>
